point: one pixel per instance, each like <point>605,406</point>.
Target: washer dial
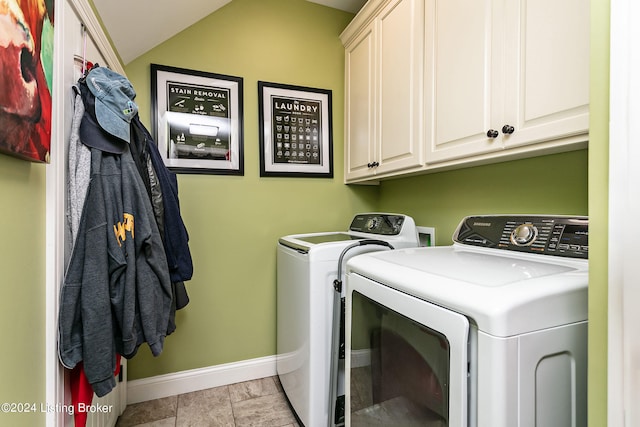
<point>372,223</point>
<point>524,234</point>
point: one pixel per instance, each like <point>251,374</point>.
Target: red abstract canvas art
<point>26,76</point>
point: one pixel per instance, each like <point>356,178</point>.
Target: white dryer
<point>309,306</point>
<point>488,332</point>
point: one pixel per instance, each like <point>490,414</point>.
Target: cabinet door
<point>399,85</point>
<point>547,85</point>
<point>463,69</point>
<point>359,104</point>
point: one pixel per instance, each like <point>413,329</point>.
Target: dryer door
<point>407,359</point>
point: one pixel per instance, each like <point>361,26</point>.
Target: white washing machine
<point>488,332</point>
<point>309,309</point>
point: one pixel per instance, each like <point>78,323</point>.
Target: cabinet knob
<point>373,164</point>
<point>492,133</point>
<point>507,129</point>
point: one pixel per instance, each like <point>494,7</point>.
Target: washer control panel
<point>377,223</point>
<point>549,235</point>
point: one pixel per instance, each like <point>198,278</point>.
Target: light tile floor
<point>258,403</point>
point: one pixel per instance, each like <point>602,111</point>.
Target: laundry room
<point>227,333</point>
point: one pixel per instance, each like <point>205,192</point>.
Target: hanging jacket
<point>140,152</point>
<point>117,291</point>
<point>176,237</point>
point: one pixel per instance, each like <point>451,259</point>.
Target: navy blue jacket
<point>176,238</point>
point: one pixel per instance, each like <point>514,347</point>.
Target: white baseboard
<point>199,379</point>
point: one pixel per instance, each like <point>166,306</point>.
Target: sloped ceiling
<point>136,26</point>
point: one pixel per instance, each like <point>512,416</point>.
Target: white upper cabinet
<point>441,84</point>
<point>459,78</point>
<point>360,104</point>
<point>502,74</point>
<point>383,88</point>
<point>547,81</point>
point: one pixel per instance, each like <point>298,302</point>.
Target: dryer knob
<point>524,234</point>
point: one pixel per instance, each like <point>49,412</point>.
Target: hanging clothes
<point>128,244</point>
<point>82,392</point>
<point>79,172</point>
<point>175,232</point>
<point>117,291</point>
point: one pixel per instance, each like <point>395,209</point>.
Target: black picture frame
<point>197,120</point>
<point>280,108</point>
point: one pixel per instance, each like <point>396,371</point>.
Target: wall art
<point>197,120</point>
<point>295,131</point>
<point>26,78</point>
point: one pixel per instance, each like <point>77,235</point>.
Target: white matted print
<point>198,120</point>
<point>295,131</point>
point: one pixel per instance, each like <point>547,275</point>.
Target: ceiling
<point>147,23</point>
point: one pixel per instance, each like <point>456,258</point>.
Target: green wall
<point>598,211</point>
<point>234,222</point>
<point>549,184</point>
<point>22,305</point>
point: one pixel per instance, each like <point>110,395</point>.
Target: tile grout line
<point>233,412</point>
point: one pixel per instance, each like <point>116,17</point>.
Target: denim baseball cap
<point>91,133</point>
<point>114,106</point>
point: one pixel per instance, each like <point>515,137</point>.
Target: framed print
<point>197,120</point>
<point>295,131</point>
<point>26,78</point>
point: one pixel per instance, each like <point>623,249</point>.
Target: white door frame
<point>624,211</point>
<point>64,77</point>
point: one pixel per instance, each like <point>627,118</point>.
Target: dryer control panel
<point>565,236</point>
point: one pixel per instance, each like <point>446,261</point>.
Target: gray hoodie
<point>117,291</point>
